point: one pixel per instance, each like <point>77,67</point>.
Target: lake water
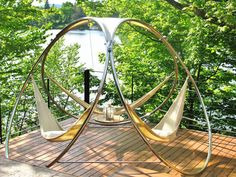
<point>92,43</point>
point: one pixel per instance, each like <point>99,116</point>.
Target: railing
<point>199,125</point>
<point>87,99</point>
<point>1,126</point>
<point>86,86</point>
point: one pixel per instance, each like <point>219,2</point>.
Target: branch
<point>200,13</point>
<point>214,73</point>
<point>176,4</point>
<point>143,33</point>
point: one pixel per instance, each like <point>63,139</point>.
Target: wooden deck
<point>123,143</point>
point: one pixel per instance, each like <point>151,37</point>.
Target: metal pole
<point>48,92</point>
<point>132,87</point>
<point>1,121</point>
<point>86,86</point>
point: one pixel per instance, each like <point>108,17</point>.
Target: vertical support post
<point>132,87</point>
<point>86,85</point>
<point>1,140</point>
<point>48,92</point>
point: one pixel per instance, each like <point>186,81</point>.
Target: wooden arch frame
<point>109,32</point>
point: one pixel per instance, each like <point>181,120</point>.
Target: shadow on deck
<point>124,144</point>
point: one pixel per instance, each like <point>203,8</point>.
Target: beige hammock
<point>166,129</point>
<point>50,128</point>
<point>120,110</point>
<point>144,98</point>
<point>74,97</point>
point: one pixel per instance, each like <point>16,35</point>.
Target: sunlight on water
<point>92,43</point>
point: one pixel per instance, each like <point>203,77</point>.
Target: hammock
<point>166,129</point>
<point>74,97</point>
<point>120,110</point>
<point>49,126</point>
<point>144,98</point>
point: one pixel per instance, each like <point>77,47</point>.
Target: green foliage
<point>22,31</point>
<point>60,17</point>
<point>62,64</point>
<point>202,32</point>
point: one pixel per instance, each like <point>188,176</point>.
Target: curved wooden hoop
<point>58,36</point>
<point>94,104</point>
<point>162,39</point>
<point>176,58</point>
<point>77,23</point>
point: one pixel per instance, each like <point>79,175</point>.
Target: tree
<point>67,11</point>
<point>203,33</point>
<point>205,10</point>
<point>60,17</point>
<point>46,5</point>
<point>22,32</point>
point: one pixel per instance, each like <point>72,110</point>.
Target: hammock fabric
<point>166,129</point>
<point>118,111</point>
<point>50,128</point>
<point>74,97</point>
<point>144,98</point>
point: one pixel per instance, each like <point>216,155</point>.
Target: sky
<point>36,3</point>
<point>60,1</point>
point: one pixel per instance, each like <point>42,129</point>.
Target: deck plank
<point>215,159</point>
<point>123,143</point>
<point>138,172</point>
<point>82,148</point>
<point>100,153</point>
<point>227,158</point>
